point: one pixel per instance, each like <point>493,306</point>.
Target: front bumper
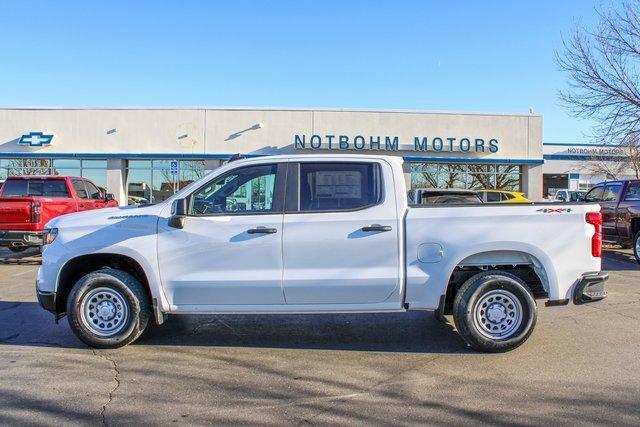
<point>590,288</point>
<point>21,238</point>
<point>47,300</point>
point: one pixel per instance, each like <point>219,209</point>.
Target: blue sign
<point>174,167</point>
<point>35,139</point>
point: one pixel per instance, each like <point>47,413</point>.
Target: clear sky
<point>481,56</point>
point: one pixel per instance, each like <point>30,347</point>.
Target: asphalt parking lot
<point>581,365</point>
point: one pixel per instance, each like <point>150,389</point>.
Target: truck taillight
<point>35,212</point>
<point>595,219</point>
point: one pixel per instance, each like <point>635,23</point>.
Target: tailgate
<point>15,210</point>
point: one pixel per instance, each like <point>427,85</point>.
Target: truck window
<point>35,187</point>
<point>247,189</point>
<point>633,193</point>
<point>81,191</point>
<point>339,186</point>
<point>611,192</point>
<point>595,195</point>
<point>93,191</point>
<point>493,197</point>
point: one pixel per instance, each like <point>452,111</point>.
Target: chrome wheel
<point>498,314</point>
<point>104,311</point>
<point>638,244</point>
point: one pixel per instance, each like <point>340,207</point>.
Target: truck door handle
<point>263,230</point>
<point>370,228</point>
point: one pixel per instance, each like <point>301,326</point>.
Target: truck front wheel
<point>108,308</point>
<point>636,246</point>
<point>494,311</point>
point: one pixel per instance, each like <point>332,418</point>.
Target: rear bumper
<point>21,238</point>
<point>590,288</point>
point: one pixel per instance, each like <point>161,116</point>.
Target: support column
<point>532,182</point>
<point>116,179</point>
<point>406,169</point>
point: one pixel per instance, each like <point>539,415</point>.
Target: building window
<point>152,181</point>
<point>95,170</point>
<point>466,176</point>
<point>14,167</point>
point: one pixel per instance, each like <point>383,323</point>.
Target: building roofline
<point>289,109</point>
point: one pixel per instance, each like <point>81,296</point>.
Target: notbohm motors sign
<point>596,151</point>
<point>394,143</point>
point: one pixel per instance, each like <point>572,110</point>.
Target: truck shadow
<point>414,332</point>
<point>26,324</point>
<point>619,260</point>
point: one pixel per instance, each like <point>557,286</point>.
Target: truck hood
<point>104,217</point>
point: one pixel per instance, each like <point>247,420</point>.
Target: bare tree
<point>603,66</point>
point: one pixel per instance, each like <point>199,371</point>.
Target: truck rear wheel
<point>636,246</point>
<point>494,312</point>
<point>108,309</point>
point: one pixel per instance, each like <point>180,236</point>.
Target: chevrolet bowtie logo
<point>35,139</point>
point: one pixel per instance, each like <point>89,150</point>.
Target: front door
<point>341,236</point>
<point>230,249</point>
<point>609,209</point>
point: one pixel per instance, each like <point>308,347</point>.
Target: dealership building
<point>146,154</point>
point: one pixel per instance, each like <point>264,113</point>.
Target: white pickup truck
<point>318,234</point>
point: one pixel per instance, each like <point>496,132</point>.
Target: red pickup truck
<point>27,203</point>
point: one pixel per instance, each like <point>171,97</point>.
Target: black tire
<point>17,249</point>
<point>134,298</point>
<point>636,246</point>
<point>488,284</point>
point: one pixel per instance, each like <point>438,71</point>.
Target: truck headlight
<point>50,235</point>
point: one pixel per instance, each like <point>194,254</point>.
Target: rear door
<point>84,203</point>
<point>628,209</point>
<point>609,209</point>
<point>341,234</point>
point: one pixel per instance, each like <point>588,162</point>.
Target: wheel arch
<point>529,264</point>
<point>77,267</point>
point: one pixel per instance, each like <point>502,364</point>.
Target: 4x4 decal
<point>554,210</point>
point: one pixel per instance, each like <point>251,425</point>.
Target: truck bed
<point>441,238</point>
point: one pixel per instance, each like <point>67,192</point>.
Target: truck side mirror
<point>109,197</point>
<point>179,211</point>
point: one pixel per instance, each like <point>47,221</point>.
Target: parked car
<point>432,196</point>
<point>318,234</point>
<point>569,196</point>
<point>133,200</point>
<point>620,201</point>
<point>502,196</point>
<point>27,203</point>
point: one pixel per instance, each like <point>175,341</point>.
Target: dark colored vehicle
<point>27,203</point>
<point>434,196</point>
<point>620,202</point>
<point>569,196</point>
